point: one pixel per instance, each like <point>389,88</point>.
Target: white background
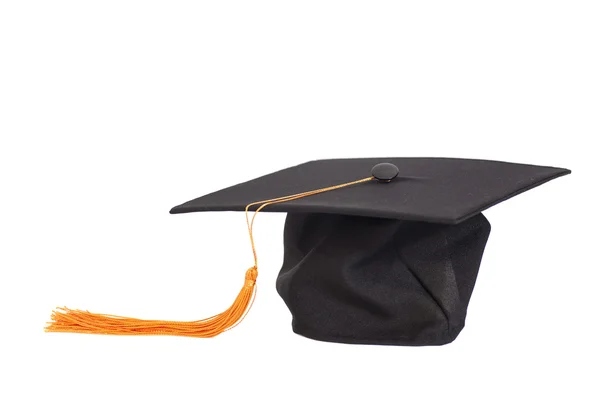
<point>112,112</point>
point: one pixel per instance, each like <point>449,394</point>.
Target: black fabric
<point>382,263</point>
<point>439,190</point>
<point>379,281</point>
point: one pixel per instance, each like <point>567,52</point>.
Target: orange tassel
<point>77,321</point>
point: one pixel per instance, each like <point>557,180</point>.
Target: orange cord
<point>78,321</point>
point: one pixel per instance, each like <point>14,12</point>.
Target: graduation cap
<point>376,250</point>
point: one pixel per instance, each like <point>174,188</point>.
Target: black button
<point>385,172</point>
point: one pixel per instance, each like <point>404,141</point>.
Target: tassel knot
<point>251,275</point>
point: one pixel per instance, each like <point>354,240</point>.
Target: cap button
<point>385,172</point>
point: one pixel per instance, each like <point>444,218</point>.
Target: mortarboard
<point>376,250</point>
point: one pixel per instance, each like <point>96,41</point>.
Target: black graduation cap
<point>376,250</point>
<point>391,259</point>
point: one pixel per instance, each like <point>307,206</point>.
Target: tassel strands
<point>78,321</point>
